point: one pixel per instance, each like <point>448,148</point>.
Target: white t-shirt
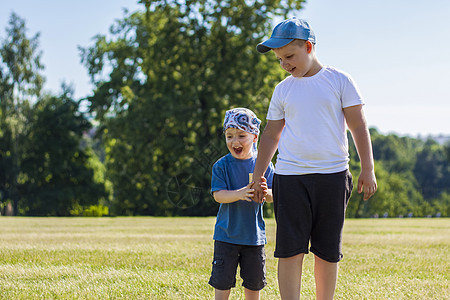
<point>314,138</point>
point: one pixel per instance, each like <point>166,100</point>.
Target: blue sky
<point>398,51</point>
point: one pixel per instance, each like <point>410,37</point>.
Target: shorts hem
<point>216,286</point>
<point>253,288</point>
<point>290,254</point>
<point>326,258</point>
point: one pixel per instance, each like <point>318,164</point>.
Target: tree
<point>442,204</point>
<point>163,84</point>
<point>397,153</point>
<point>397,195</point>
<point>58,175</point>
<point>447,150</point>
<point>398,191</point>
<point>20,84</point>
<point>44,169</point>
<point>432,170</point>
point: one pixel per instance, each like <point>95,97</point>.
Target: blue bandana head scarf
<point>243,119</point>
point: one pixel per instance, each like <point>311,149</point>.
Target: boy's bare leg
<point>290,276</point>
<point>221,294</point>
<point>251,295</point>
<point>325,274</point>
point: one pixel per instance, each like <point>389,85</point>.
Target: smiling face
<point>298,58</point>
<point>240,143</point>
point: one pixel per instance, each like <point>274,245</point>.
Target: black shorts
<point>252,260</point>
<point>311,209</point>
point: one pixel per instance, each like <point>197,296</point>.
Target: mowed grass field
<point>170,258</point>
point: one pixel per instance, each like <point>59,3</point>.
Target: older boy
<point>307,120</point>
<point>239,234</point>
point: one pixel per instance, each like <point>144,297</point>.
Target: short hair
<point>299,42</point>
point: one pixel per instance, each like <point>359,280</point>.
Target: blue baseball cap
<point>287,31</point>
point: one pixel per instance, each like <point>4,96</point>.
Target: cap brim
<point>272,43</point>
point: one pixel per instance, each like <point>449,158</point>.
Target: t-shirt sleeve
<point>350,95</point>
<point>218,181</point>
<point>276,109</point>
<point>269,175</point>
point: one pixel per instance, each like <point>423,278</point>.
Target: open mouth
<point>237,150</point>
<point>291,70</point>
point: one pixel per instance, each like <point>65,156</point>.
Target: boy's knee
<point>291,259</point>
<point>322,261</point>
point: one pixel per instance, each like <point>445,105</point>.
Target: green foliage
<point>20,83</point>
<point>441,205</point>
<point>396,196</point>
<point>43,168</point>
<point>21,66</point>
<point>432,170</point>
<point>163,83</point>
<point>90,211</point>
<point>57,173</point>
<point>397,153</point>
<point>412,175</point>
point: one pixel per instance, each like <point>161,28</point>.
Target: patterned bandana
<point>243,119</point>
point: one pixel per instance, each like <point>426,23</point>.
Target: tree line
<point>145,142</point>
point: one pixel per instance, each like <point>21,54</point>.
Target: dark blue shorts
<point>251,259</point>
<point>311,209</point>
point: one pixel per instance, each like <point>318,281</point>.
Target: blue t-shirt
<point>240,222</point>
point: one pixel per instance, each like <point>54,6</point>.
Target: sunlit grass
<point>170,258</point>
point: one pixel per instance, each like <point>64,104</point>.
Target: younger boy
<point>307,120</point>
<point>239,234</point>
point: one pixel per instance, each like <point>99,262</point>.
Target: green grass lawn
<point>170,258</point>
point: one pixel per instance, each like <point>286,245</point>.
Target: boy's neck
<point>315,68</point>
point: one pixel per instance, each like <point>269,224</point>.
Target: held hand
<point>246,193</point>
<point>368,183</point>
<point>263,185</point>
<point>260,190</point>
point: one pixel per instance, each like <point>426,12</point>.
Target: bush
<point>90,211</point>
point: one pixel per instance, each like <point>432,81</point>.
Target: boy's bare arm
<point>267,147</point>
<point>357,124</point>
<point>226,196</point>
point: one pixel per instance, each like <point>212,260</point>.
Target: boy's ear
<point>255,139</point>
<point>309,46</point>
